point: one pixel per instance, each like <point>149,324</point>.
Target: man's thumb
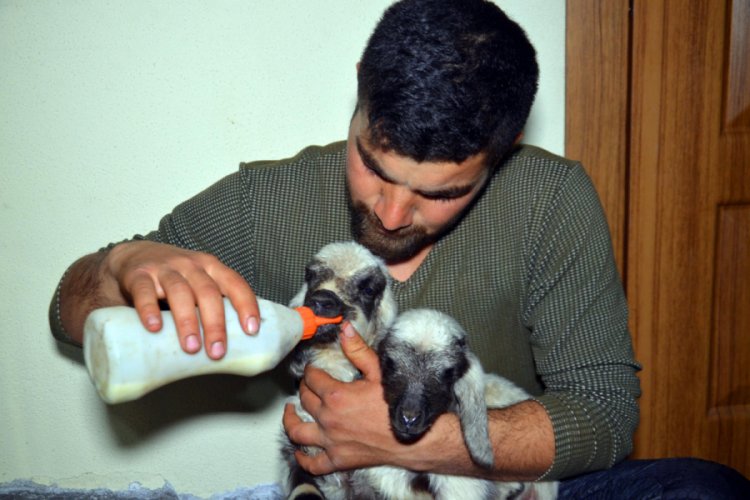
<point>359,353</point>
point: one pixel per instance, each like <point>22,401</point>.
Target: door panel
<point>689,265</point>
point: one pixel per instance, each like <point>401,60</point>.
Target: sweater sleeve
<point>214,221</point>
<point>577,313</point>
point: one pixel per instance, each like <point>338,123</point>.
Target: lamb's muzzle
<point>326,303</point>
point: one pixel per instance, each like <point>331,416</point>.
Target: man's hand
<point>140,273</point>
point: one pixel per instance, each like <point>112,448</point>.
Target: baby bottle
<point>125,361</point>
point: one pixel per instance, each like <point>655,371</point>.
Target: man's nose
<point>395,207</point>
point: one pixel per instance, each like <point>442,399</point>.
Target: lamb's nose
<point>325,303</point>
<point>410,417</point>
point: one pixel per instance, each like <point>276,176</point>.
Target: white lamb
<point>343,279</point>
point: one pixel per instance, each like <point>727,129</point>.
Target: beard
<point>391,246</point>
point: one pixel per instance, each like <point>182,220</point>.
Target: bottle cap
<point>311,322</point>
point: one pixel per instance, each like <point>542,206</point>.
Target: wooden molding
<point>596,103</point>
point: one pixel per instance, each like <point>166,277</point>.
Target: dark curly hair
<point>442,80</point>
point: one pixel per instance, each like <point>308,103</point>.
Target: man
<point>510,241</point>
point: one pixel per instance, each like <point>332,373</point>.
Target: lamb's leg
<point>299,482</point>
<point>450,487</point>
<point>306,491</point>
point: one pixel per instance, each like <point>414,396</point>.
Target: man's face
<point>400,206</point>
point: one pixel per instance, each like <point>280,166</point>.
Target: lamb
<point>427,370</point>
<point>343,279</point>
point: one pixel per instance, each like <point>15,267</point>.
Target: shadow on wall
<point>136,421</point>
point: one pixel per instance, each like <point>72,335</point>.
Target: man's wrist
<point>442,450</point>
<point>522,439</point>
<point>81,290</point>
<point>55,321</point>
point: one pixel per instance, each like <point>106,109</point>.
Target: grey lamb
<point>428,370</point>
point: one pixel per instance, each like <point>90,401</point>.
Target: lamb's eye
<point>388,365</point>
<point>309,275</point>
<point>368,289</point>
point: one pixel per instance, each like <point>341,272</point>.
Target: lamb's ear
<point>387,311</point>
<point>299,299</point>
<point>472,411</point>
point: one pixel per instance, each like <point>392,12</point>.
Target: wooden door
<point>678,199</point>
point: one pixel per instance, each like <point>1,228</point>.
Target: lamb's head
<point>345,279</point>
<point>428,370</point>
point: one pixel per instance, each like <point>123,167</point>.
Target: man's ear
<point>518,137</point>
<point>357,66</point>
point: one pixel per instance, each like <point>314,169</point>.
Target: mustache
<point>392,246</point>
<point>364,217</point>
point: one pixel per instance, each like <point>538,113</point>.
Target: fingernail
<point>348,330</point>
<point>192,343</point>
<point>217,349</point>
<point>252,325</point>
<point>152,321</point>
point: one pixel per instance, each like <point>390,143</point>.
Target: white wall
<point>112,112</point>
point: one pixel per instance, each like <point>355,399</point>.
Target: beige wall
<point>110,114</point>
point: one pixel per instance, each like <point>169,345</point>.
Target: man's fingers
<point>232,285</point>
<point>315,464</point>
<point>300,432</point>
<point>212,318</point>
<point>359,353</point>
<point>306,434</point>
<point>146,302</point>
<point>242,297</point>
<point>309,400</point>
<point>179,295</point>
<point>317,385</point>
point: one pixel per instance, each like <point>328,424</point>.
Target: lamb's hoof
<point>305,491</point>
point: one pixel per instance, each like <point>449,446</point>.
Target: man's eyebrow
<point>371,163</point>
<point>449,192</point>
